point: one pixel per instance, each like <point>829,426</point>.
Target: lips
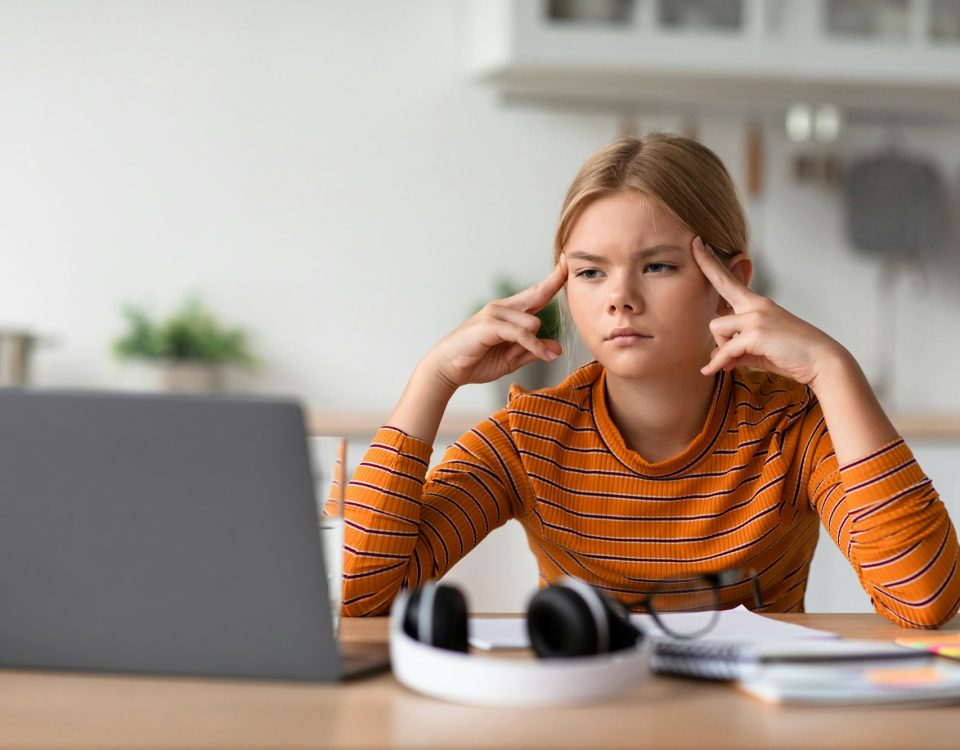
<point>626,334</point>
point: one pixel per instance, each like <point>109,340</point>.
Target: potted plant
<point>536,374</point>
<point>190,348</point>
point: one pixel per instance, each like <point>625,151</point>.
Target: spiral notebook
<point>742,660</point>
<point>743,644</point>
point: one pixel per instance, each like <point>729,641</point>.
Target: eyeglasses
<point>688,606</point>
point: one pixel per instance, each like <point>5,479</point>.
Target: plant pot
<point>191,377</point>
<point>15,350</point>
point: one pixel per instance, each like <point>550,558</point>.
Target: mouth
<point>626,335</point>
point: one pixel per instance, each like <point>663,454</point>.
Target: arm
<point>761,334</point>
<point>885,516</point>
<point>498,340</point>
<point>857,423</point>
<point>403,527</point>
<point>879,506</point>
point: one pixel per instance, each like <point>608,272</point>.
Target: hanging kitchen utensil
<point>896,205</point>
<point>755,174</point>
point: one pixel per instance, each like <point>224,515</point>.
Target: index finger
<point>534,298</point>
<point>729,286</point>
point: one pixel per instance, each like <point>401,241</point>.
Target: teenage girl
<point>713,431</point>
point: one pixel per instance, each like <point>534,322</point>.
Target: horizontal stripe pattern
<point>750,491</point>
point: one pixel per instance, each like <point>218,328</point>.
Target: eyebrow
<point>646,253</point>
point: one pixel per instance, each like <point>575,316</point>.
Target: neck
<point>659,418</point>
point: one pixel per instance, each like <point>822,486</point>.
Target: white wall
<point>322,172</point>
<point>326,174</point>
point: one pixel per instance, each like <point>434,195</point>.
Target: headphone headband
<point>453,676</point>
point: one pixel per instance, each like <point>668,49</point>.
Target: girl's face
<point>636,294</point>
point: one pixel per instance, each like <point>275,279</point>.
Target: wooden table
<point>56,710</point>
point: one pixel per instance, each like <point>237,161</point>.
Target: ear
<point>741,266</point>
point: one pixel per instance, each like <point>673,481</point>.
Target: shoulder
<point>759,395</point>
<point>539,423</point>
<point>536,413</point>
<point>550,417</point>
<point>567,400</point>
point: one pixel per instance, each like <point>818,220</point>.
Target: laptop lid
<point>161,534</point>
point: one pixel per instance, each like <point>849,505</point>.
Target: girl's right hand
<point>501,338</point>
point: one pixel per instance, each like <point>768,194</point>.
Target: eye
<point>659,267</point>
<point>588,273</point>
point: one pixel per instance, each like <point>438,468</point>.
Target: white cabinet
<point>871,56</point>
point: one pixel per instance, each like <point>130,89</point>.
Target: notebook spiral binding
<point>704,659</point>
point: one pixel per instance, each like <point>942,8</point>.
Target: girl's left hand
<point>760,333</point>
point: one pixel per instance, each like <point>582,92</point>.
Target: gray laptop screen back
<point>164,534</point>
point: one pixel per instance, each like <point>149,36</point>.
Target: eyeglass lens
<point>685,607</point>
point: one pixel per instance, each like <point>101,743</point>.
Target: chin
<point>631,367</point>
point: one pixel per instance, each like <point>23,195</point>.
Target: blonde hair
<point>685,176</point>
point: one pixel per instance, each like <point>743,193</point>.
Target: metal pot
<point>15,350</point>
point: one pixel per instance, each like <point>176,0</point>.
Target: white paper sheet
<point>741,624</point>
<point>738,624</point>
<point>504,632</point>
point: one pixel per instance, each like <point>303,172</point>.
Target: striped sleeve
<point>884,514</point>
<point>403,526</point>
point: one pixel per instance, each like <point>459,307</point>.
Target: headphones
<point>587,646</point>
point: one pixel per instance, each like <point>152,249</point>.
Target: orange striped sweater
<point>748,492</point>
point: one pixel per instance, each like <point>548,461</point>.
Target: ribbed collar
<point>699,449</point>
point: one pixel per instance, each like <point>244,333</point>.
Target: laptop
<point>163,534</point>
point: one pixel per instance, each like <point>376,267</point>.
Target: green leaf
<point>192,333</point>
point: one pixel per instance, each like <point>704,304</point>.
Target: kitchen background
<point>345,181</point>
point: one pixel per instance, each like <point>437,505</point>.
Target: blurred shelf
<point>920,426</point>
<point>364,424</point>
<point>893,58</point>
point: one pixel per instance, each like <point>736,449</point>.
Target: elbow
<point>934,617</point>
<point>930,616</point>
<point>364,595</point>
<point>366,604</point>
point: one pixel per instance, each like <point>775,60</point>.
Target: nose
<point>623,296</point>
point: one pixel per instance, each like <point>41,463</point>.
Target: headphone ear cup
<point>450,619</point>
<point>437,616</point>
<point>623,633</point>
<point>561,624</point>
<point>411,614</point>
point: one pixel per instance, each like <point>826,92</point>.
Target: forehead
<point>625,218</point>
